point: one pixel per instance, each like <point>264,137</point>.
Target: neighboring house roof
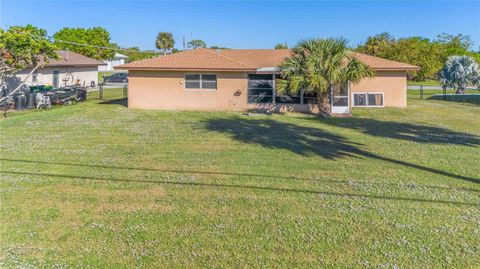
<point>120,56</point>
<point>240,60</point>
<point>69,58</point>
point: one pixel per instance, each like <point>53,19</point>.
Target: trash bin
<point>82,95</point>
<point>29,100</point>
<point>19,102</point>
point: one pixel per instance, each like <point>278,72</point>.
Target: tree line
<point>430,55</point>
<point>96,43</point>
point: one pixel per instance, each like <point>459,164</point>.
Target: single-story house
<point>71,68</point>
<point>231,79</point>
<point>110,64</point>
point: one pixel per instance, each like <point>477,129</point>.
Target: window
<point>340,96</point>
<point>368,99</point>
<point>201,81</point>
<point>260,88</point>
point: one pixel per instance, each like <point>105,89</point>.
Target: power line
<point>50,38</point>
<point>100,47</point>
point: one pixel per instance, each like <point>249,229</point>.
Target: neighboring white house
<point>118,59</point>
<point>71,68</point>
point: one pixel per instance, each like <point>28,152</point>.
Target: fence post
<point>4,94</point>
<point>421,92</point>
<point>101,92</point>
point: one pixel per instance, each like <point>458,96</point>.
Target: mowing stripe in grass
<point>221,173</point>
<point>409,199</point>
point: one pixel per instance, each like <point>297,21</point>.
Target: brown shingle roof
<point>69,58</point>
<point>378,63</point>
<point>240,60</point>
<point>198,59</point>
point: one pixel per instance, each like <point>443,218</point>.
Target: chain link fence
<point>426,92</point>
<point>109,92</point>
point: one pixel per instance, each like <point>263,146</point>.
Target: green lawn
<point>99,185</point>
<point>430,82</point>
<point>438,95</point>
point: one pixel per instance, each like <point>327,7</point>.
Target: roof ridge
<point>229,58</point>
<point>156,58</point>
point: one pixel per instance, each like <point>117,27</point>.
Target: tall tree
<point>428,54</point>
<point>378,45</point>
<point>455,45</point>
<point>165,42</point>
<point>196,43</point>
<point>281,46</point>
<point>86,41</point>
<point>458,40</point>
<point>318,65</point>
<point>418,51</point>
<point>21,47</point>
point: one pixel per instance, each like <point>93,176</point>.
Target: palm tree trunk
<point>324,104</point>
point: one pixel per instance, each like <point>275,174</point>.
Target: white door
<point>340,103</point>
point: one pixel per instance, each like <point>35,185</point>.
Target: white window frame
<point>201,76</point>
<point>366,99</point>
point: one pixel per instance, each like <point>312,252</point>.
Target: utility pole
<point>184,43</point>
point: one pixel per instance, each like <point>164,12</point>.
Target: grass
<point>100,185</point>
<point>438,95</point>
<point>429,82</point>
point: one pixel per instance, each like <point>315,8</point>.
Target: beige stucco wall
<point>392,83</point>
<point>165,90</point>
<point>45,75</point>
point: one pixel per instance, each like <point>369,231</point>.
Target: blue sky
<point>248,24</point>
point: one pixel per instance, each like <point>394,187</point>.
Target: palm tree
<point>164,42</point>
<point>317,65</point>
<point>458,72</point>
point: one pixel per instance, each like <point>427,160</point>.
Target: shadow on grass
<point>122,102</point>
<point>250,187</point>
<point>404,131</point>
<point>215,173</point>
<point>312,141</point>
